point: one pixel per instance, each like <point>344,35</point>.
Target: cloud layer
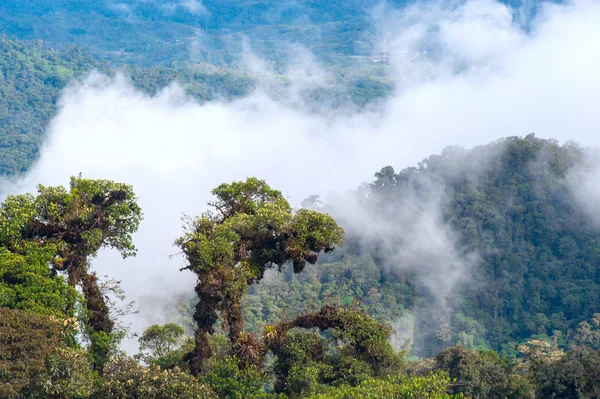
<point>473,76</point>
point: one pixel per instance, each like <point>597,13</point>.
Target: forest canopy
<point>473,274</point>
<point>337,340</point>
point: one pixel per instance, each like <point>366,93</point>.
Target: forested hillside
<point>531,251</point>
<point>175,32</point>
<point>165,33</point>
<point>33,75</point>
<point>31,80</point>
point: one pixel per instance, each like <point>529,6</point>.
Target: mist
<point>466,73</point>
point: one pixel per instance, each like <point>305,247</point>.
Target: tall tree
<point>77,223</point>
<point>250,229</point>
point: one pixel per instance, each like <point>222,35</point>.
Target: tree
<point>586,334</point>
<point>250,229</point>
<point>230,381</point>
<point>68,375</point>
<point>77,223</point>
<point>159,344</point>
<point>359,349</point>
<point>477,374</point>
<point>574,375</point>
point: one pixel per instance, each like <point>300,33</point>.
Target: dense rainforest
<point>519,237</point>
<point>473,274</point>
<point>347,294</point>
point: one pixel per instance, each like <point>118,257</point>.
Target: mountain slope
<point>31,80</point>
<point>520,257</point>
<point>172,32</point>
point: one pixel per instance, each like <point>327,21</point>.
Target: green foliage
<point>251,229</point>
<point>587,334</point>
<point>34,73</point>
<point>574,375</point>
<point>510,205</point>
<point>172,32</point>
<point>68,375</point>
<point>102,213</point>
<point>124,378</point>
<point>230,382</point>
<point>26,341</point>
<point>28,284</point>
<point>357,348</point>
<point>434,386</point>
<point>265,231</point>
<point>102,346</point>
<point>477,374</point>
<point>31,81</point>
<point>92,215</point>
<point>161,345</point>
<point>73,225</point>
<point>368,340</point>
<point>299,362</point>
<point>353,280</point>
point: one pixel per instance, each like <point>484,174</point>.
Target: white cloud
<point>484,78</point>
<point>193,6</point>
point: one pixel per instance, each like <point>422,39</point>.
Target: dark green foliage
<point>296,352</point>
<point>352,280</point>
<point>26,341</point>
<point>509,203</point>
<point>230,381</point>
<point>357,349</point>
<point>31,79</point>
<point>477,374</point>
<point>574,375</point>
<point>202,83</point>
<point>167,33</point>
<point>484,374</point>
<point>515,208</point>
<point>336,352</point>
<point>34,73</point>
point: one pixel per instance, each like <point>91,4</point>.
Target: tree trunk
<point>235,320</point>
<point>99,312</point>
<point>100,326</point>
<point>202,351</point>
<point>209,299</point>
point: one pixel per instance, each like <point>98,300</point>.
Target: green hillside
<point>31,80</point>
<point>33,75</point>
<point>510,203</point>
<point>152,33</point>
